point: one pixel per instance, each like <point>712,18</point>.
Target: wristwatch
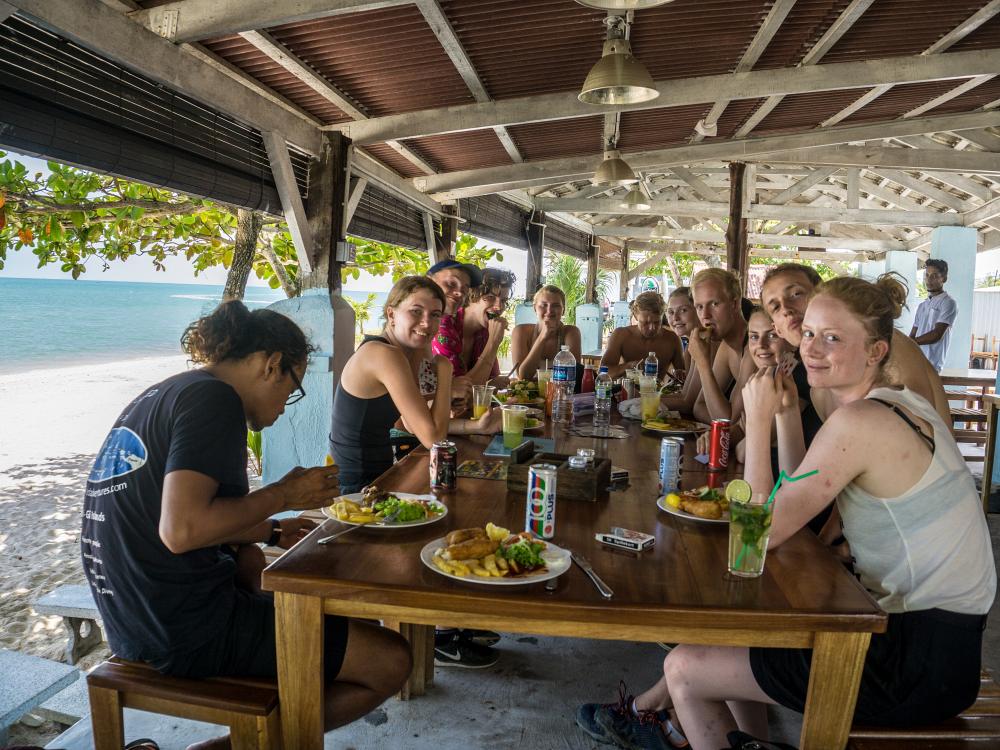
<point>275,533</point>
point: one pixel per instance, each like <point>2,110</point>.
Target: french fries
<point>488,566</point>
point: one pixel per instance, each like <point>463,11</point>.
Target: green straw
<point>783,477</point>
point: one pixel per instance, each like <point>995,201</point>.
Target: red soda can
<point>444,465</point>
<point>714,480</point>
<point>718,446</point>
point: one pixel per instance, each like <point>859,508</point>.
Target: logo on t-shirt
<point>122,453</point>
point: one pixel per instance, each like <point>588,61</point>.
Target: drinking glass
<point>513,425</point>
<point>749,530</point>
<point>482,396</point>
<point>650,405</point>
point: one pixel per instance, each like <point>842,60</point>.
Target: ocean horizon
<point>50,323</point>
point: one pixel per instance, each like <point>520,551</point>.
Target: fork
<point>388,519</point>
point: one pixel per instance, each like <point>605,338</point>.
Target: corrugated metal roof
<point>393,159</point>
<point>804,25</point>
<point>977,97</point>
<point>455,151</point>
<point>805,111</point>
<point>656,128</point>
<point>561,138</point>
<point>900,99</point>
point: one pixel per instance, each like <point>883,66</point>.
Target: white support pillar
<point>904,263</point>
<point>957,246</point>
<point>872,269</point>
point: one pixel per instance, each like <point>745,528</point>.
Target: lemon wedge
<point>673,500</point>
<point>738,491</point>
<point>496,533</point>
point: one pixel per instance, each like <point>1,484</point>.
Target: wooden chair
<point>249,707</point>
<point>978,727</point>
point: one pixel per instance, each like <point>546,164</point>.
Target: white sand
<point>52,422</point>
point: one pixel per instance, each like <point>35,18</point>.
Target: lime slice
<point>738,491</point>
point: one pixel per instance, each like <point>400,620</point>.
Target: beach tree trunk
<point>289,285</point>
<point>248,226</point>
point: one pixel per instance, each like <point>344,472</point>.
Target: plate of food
<point>492,556</point>
<point>533,423</point>
<point>372,505</point>
<point>674,426</point>
<point>702,504</point>
<point>523,392</point>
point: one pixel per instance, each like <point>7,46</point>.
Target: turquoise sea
<point>58,322</point>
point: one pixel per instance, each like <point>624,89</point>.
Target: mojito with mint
<point>749,530</point>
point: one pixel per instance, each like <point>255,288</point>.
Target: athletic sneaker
<point>452,650</point>
<point>586,715</point>
<point>482,637</point>
<point>649,730</point>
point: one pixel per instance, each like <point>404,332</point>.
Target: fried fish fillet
<point>470,548</point>
<point>462,535</point>
<point>702,508</point>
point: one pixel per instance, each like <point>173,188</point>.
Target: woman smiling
<point>532,343</point>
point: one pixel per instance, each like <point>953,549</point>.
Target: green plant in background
<point>380,258</point>
<point>255,445</point>
<point>362,310</point>
<point>570,275</point>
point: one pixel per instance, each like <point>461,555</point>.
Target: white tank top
<point>930,547</point>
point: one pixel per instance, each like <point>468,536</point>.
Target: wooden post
<point>736,232</point>
<point>593,259</point>
<point>326,209</point>
<point>445,242</point>
<point>536,254</point>
<point>623,280</point>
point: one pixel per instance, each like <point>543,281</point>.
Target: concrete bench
<point>75,604</point>
<point>27,682</point>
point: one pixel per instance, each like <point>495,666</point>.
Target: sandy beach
<point>53,422</point>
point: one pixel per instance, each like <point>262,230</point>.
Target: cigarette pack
<point>626,539</point>
<point>618,474</point>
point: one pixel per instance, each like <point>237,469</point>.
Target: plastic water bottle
<point>602,402</point>
<point>651,368</point>
<point>564,380</point>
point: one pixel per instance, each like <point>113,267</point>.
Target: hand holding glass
<point>482,395</point>
<point>514,417</point>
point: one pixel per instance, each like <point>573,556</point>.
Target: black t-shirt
<point>154,602</point>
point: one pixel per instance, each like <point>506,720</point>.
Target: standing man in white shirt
<point>935,315</point>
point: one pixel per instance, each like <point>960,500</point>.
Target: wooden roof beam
<point>877,157</point>
<point>193,20</point>
<point>676,92</point>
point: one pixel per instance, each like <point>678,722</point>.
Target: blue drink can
<point>671,450</point>
<point>540,508</point>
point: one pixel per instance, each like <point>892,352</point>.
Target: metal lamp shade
<point>635,199</point>
<point>618,78</point>
<point>662,229</point>
<point>623,4</point>
<point>613,171</point>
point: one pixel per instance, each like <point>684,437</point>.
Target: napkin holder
<point>590,484</point>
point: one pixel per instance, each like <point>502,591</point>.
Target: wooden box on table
<point>589,484</point>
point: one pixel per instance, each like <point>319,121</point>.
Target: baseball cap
<point>474,272</point>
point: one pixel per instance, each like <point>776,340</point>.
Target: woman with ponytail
<point>170,530</point>
<point>910,512</point>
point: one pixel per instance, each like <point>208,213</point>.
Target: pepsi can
<point>671,450</point>
<point>540,508</point>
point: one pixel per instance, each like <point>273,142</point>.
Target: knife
<point>586,567</point>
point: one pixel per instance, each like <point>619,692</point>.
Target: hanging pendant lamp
<point>613,171</point>
<point>635,199</point>
<point>618,77</point>
<point>661,230</point>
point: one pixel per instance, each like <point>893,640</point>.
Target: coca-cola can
<point>718,445</point>
<point>444,465</point>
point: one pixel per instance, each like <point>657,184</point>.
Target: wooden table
<point>969,378</point>
<point>678,591</point>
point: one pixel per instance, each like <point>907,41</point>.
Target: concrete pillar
<point>872,269</point>
<point>904,263</point>
<point>957,246</point>
<point>300,437</point>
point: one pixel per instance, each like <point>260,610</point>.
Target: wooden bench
<point>249,707</point>
<point>75,604</point>
<point>26,682</point>
<point>976,728</point>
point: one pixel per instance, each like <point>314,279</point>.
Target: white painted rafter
<point>291,200</point>
<point>449,41</point>
<point>676,92</point>
<point>768,28</point>
<point>305,73</point>
<point>755,238</point>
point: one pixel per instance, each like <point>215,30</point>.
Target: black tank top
<point>359,439</point>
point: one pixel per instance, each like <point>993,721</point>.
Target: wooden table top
<point>681,581</point>
<point>959,376</point>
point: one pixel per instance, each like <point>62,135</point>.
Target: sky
<point>179,270</point>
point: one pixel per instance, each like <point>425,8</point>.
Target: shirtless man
<point>717,300</point>
<point>628,347</point>
<point>785,294</point>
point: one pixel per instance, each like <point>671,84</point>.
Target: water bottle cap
<point>652,354</point>
<point>604,368</point>
<point>565,348</point>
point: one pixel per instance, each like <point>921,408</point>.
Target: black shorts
<point>246,646</point>
<point>922,670</point>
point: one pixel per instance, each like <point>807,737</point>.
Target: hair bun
<point>894,287</point>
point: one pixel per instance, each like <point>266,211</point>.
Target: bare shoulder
<point>858,420</point>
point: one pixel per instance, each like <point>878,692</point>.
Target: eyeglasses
<point>299,393</point>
